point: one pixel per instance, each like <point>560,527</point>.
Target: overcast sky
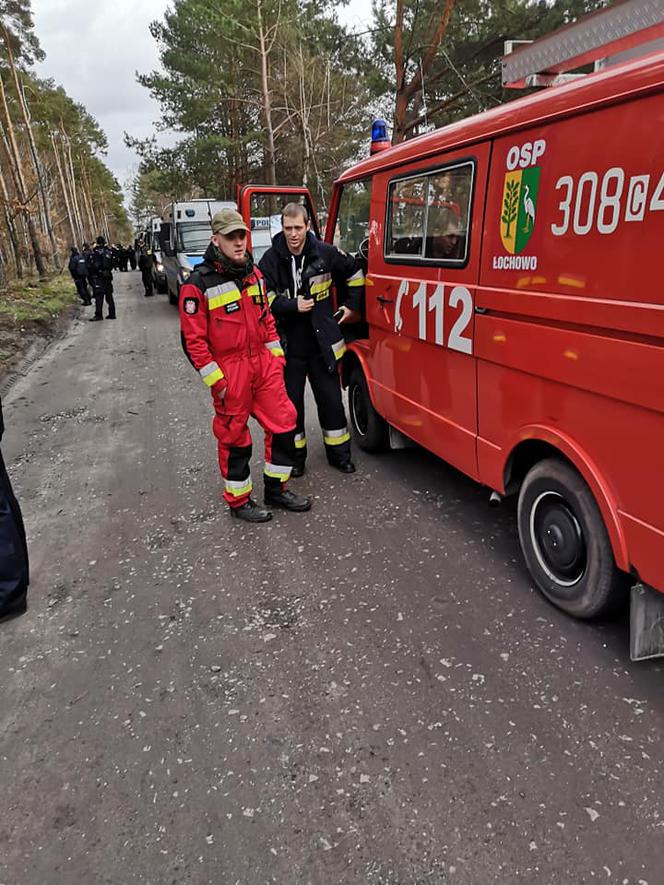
<point>94,51</point>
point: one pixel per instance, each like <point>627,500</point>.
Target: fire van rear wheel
<point>565,542</point>
<point>370,430</point>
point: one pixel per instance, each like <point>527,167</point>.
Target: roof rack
<point>626,28</point>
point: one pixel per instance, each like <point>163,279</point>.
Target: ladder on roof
<point>624,29</point>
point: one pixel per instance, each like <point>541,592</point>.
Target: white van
<point>158,269</point>
<point>185,235</point>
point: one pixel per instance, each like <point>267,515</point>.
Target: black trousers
<point>14,570</point>
<point>82,289</point>
<point>326,388</point>
<point>146,276</point>
<point>103,289</point>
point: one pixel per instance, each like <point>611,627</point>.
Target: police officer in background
<point>145,267</point>
<point>78,269</point>
<point>299,271</point>
<point>100,268</point>
<point>123,259</point>
<point>14,570</point>
<point>87,254</point>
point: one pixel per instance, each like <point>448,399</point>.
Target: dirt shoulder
<point>31,311</point>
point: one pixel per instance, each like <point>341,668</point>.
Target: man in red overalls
<point>229,336</point>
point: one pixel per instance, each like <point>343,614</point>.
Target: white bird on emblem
<point>529,207</point>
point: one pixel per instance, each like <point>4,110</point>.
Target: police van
<point>158,269</point>
<point>515,309</point>
<point>184,236</point>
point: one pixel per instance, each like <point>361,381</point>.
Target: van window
<point>193,236</point>
<point>407,216</point>
<point>429,216</point>
<point>352,225</point>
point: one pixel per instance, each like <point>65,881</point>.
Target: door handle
<point>384,300</point>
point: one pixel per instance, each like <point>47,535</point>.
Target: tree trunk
<point>71,186</point>
<point>11,226</point>
<point>87,201</point>
<point>13,239</point>
<point>39,174</point>
<point>304,116</point>
<point>15,163</point>
<point>267,103</point>
<point>69,165</point>
<point>87,215</point>
<point>407,90</point>
<point>63,188</point>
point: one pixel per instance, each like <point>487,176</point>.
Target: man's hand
<point>220,389</point>
<point>304,305</point>
<point>349,316</point>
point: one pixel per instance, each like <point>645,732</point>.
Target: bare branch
<point>441,105</point>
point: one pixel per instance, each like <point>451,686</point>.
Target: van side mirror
<point>165,239</point>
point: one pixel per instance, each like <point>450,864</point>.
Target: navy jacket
<point>322,265</point>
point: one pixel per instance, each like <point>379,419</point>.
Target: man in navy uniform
<point>14,571</point>
<point>299,271</point>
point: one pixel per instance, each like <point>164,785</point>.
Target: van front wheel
<point>370,430</point>
<point>565,542</point>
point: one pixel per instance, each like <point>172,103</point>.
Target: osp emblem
<point>519,204</point>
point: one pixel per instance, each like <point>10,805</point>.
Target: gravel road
<point>369,693</point>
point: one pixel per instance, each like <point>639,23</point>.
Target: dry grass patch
<point>31,308</point>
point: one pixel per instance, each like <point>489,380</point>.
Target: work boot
<point>250,511</point>
<point>297,470</point>
<point>109,317</point>
<point>287,500</point>
<point>344,467</point>
<point>95,319</point>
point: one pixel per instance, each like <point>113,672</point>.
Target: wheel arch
<point>356,357</point>
<point>543,443</point>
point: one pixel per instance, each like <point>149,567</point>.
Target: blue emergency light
<point>379,138</point>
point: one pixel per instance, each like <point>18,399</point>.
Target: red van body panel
<point>553,329</point>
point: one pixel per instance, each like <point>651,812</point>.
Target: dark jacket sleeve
<point>277,297</point>
<point>348,275</point>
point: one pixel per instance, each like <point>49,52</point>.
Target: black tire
<point>565,543</point>
<point>370,430</point>
<point>173,299</point>
<point>162,287</point>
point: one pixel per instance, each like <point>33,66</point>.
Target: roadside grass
<point>31,308</point>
